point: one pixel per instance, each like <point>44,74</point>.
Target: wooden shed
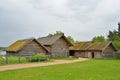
<point>93,49</point>
<point>25,47</point>
<point>58,45</point>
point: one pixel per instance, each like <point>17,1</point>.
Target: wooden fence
<point>4,59</point>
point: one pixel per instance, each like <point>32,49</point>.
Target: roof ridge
<point>31,38</point>
<point>82,41</point>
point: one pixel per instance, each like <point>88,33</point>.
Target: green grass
<point>86,70</point>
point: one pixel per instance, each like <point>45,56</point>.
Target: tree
<point>2,48</point>
<point>119,29</point>
<point>115,34</point>
<point>58,32</point>
<point>98,39</point>
<point>116,43</point>
<point>50,34</point>
<point>70,39</point>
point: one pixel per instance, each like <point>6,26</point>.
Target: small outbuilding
<point>93,49</point>
<point>25,47</point>
<point>58,45</point>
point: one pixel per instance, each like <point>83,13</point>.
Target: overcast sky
<point>82,19</point>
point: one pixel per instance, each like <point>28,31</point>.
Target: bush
<point>37,58</point>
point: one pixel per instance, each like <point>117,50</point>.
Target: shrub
<point>37,58</point>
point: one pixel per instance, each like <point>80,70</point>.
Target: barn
<point>93,49</point>
<point>25,47</point>
<point>58,45</point>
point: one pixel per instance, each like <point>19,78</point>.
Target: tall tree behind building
<point>119,29</point>
<point>98,39</point>
<point>115,34</point>
<point>70,38</point>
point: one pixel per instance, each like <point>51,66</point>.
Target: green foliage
<point>1,60</point>
<point>119,29</point>
<point>115,34</point>
<point>58,32</point>
<point>37,58</point>
<point>116,43</point>
<point>50,34</point>
<point>2,48</point>
<point>70,39</point>
<point>99,39</point>
<point>86,70</point>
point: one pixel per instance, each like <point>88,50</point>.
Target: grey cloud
<point>81,19</point>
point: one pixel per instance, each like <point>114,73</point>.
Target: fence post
<point>39,59</point>
<point>6,59</point>
<point>48,57</point>
<point>19,58</point>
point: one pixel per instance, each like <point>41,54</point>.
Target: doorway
<point>93,55</point>
<point>72,53</point>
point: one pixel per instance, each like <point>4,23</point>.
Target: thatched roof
<point>88,46</point>
<point>18,45</point>
<point>49,40</point>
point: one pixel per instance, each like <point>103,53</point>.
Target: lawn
<point>86,70</point>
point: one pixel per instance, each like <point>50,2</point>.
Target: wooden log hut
<point>93,49</point>
<point>25,47</point>
<point>58,45</point>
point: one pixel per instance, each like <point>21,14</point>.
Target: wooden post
<point>19,59</point>
<point>48,56</point>
<point>68,53</point>
<point>39,59</point>
<point>6,59</point>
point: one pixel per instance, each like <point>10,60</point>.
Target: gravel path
<point>19,66</point>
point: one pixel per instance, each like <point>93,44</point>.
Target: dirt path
<point>19,66</point>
